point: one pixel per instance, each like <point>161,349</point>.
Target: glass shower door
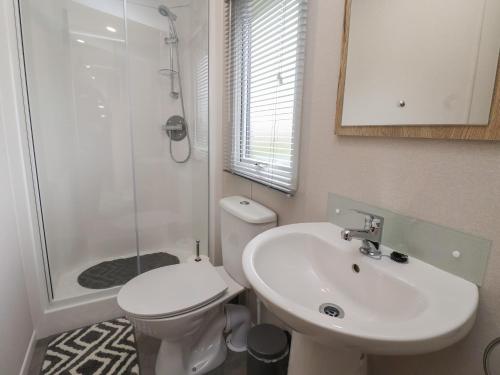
<point>76,72</point>
<point>120,147</point>
<point>168,70</point>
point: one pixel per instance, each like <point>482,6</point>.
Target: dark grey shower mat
<point>118,271</point>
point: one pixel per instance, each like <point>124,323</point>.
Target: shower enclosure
<point>117,92</point>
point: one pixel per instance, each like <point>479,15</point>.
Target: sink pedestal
<point>309,357</point>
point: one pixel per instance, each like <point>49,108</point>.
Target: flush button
<point>245,203</point>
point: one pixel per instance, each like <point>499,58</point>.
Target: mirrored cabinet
<point>421,69</point>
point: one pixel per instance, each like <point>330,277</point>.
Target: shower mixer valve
<point>172,126</point>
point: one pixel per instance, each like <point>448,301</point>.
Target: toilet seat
<point>171,290</point>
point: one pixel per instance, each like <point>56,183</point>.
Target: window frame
<point>240,161</point>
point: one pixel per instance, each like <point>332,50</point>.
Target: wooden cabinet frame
<point>464,132</point>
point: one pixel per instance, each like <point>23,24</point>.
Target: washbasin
<point>324,288</point>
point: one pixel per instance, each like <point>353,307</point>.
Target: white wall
<point>452,183</point>
<point>16,326</point>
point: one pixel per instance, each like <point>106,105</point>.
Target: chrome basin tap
<point>371,234</point>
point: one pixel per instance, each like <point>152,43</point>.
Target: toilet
<point>186,305</point>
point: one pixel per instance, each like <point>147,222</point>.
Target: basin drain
<point>330,309</point>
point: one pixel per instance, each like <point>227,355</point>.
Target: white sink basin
<point>389,308</point>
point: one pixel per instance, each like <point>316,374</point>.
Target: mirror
<point>423,68</point>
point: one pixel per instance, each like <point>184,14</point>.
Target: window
<point>265,60</point>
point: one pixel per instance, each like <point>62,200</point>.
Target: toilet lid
<point>171,290</point>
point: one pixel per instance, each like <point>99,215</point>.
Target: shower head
<point>166,12</point>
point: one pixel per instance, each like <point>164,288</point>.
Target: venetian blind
<point>265,66</point>
<point>201,129</point>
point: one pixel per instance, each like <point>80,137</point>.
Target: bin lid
<point>266,341</point>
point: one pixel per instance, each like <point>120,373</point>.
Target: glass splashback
<point>459,253</point>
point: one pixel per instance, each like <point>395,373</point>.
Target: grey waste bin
<point>267,350</point>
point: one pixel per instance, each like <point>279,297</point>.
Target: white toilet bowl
<point>190,318</point>
<point>184,305</point>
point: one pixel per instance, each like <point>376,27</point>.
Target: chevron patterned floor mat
<point>106,348</point>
